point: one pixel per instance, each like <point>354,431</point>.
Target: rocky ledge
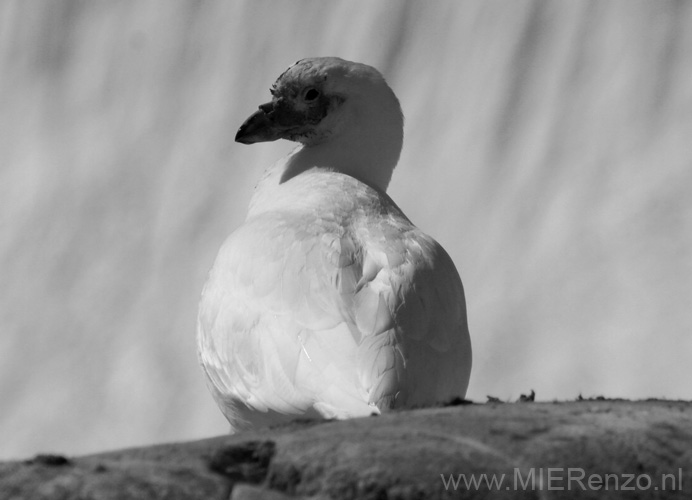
<point>584,449</point>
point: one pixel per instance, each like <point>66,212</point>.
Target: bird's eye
<point>311,94</point>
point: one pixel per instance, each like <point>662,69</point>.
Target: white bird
<point>328,301</point>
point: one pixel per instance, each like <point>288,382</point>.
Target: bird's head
<point>314,100</point>
<point>340,110</point>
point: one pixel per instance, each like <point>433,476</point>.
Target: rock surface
<point>545,450</point>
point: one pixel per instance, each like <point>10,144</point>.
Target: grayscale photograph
<point>348,249</point>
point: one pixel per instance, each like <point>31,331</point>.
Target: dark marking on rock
<point>247,461</point>
<point>50,460</point>
<point>457,401</point>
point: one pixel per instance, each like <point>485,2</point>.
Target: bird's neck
<point>368,154</point>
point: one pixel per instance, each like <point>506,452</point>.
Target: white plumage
<point>328,300</point>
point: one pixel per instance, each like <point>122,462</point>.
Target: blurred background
<point>548,148</point>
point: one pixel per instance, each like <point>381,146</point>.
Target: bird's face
<point>307,103</point>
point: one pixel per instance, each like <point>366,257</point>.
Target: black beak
<point>259,127</point>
